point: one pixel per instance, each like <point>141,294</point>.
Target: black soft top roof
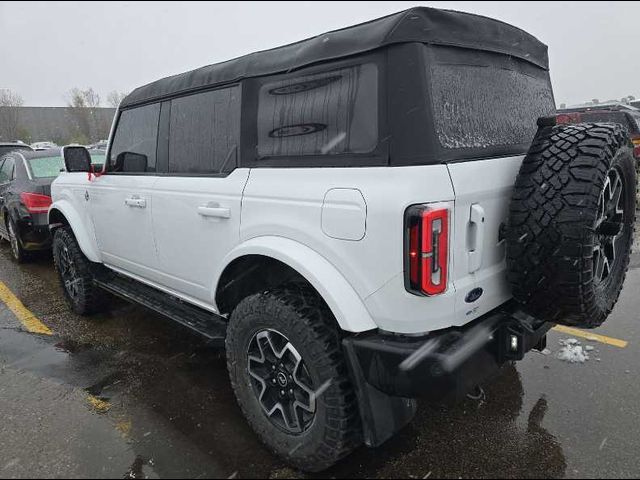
<point>420,24</point>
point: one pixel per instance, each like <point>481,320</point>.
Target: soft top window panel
<point>330,113</point>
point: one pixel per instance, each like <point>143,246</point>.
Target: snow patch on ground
<point>571,351</point>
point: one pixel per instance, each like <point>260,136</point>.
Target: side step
<point>206,323</point>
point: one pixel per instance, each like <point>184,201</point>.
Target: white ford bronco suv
<point>373,215</point>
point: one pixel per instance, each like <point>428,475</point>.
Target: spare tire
<point>571,223</point>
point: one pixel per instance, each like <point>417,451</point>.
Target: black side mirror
<point>131,162</point>
<point>76,159</point>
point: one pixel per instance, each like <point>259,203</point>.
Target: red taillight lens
<point>426,249</point>
<point>564,118</point>
<point>36,203</point>
<point>636,147</point>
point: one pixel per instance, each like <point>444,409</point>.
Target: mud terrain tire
<point>298,315</point>
<point>571,223</point>
<point>75,274</point>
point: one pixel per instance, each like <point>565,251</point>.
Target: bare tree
<point>10,102</point>
<point>83,104</point>
<point>115,98</point>
<point>88,98</point>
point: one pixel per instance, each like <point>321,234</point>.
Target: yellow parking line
<point>591,336</point>
<point>28,319</point>
<point>100,406</point>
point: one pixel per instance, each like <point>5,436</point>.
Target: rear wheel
<point>17,251</point>
<point>75,273</point>
<point>290,378</point>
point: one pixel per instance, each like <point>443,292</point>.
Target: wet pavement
<point>128,394</point>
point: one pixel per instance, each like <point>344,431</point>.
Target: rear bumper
<point>34,233</point>
<point>448,363</point>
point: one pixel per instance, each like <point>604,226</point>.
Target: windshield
<point>46,167</point>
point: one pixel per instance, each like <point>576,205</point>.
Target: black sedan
<point>25,197</point>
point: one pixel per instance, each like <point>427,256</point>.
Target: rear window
<point>488,101</point>
<point>11,148</point>
<point>330,113</point>
<point>46,167</point>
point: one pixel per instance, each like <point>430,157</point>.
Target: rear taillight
<point>636,147</point>
<point>426,249</point>
<point>565,118</point>
<point>35,202</point>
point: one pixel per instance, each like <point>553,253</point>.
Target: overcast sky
<point>47,48</point>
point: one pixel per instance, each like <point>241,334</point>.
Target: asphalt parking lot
<point>131,395</point>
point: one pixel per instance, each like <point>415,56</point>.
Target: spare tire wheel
<point>571,223</point>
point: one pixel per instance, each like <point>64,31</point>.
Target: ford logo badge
<point>473,295</point>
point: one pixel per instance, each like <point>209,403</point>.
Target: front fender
<point>84,233</point>
<point>337,292</point>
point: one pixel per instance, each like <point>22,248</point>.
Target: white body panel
<point>196,221</point>
<point>121,209</point>
<point>340,296</point>
<point>479,254</point>
<point>341,228</point>
<point>287,202</point>
<point>69,194</point>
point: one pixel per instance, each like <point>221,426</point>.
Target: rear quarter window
<point>329,113</point>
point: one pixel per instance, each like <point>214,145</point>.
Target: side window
<point>330,113</point>
<point>204,132</point>
<point>7,170</point>
<point>135,141</point>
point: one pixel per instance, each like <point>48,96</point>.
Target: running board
<point>206,323</point>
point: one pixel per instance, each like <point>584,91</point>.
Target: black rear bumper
<point>34,233</point>
<point>387,369</point>
<point>447,363</point>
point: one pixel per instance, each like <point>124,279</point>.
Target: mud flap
<point>382,415</point>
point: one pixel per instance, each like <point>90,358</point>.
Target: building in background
<point>61,125</point>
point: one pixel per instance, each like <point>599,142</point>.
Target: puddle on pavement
<point>171,399</point>
<point>182,403</point>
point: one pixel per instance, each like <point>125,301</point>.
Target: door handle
<point>475,237</point>
<point>214,210</point>
<point>136,202</point>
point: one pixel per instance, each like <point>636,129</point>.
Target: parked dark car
<point>25,197</point>
<point>6,147</point>
<point>629,118</point>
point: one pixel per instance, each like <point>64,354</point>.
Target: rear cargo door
<point>483,191</point>
<point>484,106</point>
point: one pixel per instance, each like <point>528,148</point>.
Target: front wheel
<point>74,271</point>
<point>290,378</point>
